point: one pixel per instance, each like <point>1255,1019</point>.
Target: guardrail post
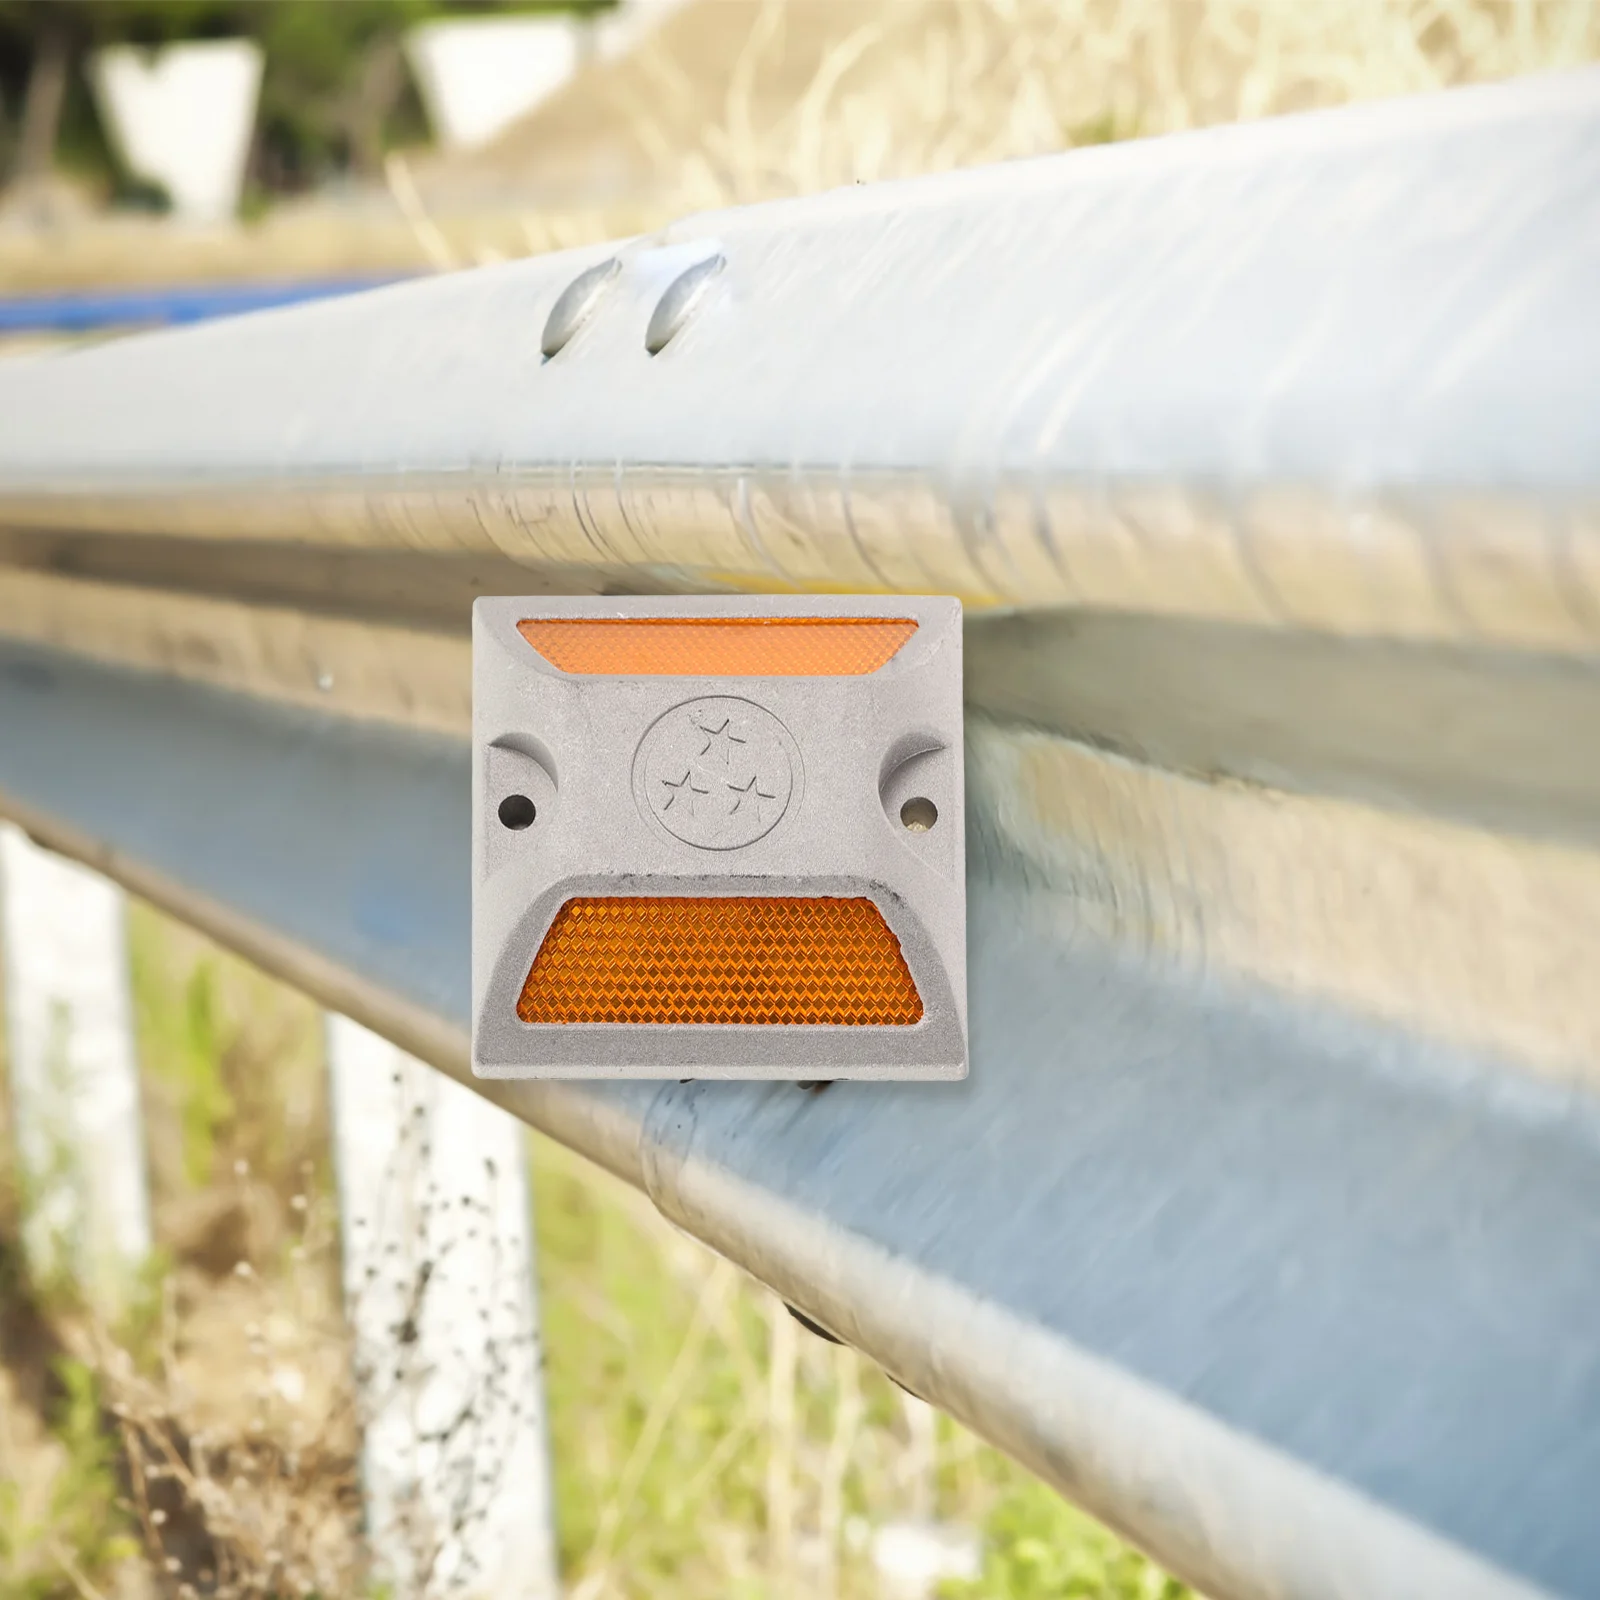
<point>438,1258</point>
<point>73,1071</point>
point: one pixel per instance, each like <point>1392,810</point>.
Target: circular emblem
<point>716,773</point>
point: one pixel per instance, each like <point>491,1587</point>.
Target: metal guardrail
<point>1266,1225</point>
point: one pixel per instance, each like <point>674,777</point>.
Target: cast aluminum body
<point>818,770</point>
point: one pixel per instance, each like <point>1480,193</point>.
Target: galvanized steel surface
<point>1333,371</point>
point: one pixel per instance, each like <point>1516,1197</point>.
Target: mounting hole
<point>918,814</point>
<point>517,811</point>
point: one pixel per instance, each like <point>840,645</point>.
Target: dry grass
<point>207,1442</point>
<point>238,1438</point>
<point>732,101</point>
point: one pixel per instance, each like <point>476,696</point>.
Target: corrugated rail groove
<point>1267,460</point>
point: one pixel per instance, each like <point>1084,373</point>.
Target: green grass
<point>1040,1548</point>
<point>668,1433</point>
<point>61,1509</point>
<point>77,1525</point>
<point>231,1064</point>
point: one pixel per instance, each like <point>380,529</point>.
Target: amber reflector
<point>719,647</point>
<point>709,959</point>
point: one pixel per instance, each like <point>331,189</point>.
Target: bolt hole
<point>918,815</point>
<point>517,811</point>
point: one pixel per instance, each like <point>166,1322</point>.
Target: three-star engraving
<point>717,773</point>
<point>721,742</point>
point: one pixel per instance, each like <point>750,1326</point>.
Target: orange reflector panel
<point>754,959</point>
<point>719,647</point>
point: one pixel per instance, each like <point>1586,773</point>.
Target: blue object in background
<point>86,311</point>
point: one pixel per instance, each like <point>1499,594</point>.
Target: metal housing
<point>845,753</point>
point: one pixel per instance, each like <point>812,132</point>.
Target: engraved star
<point>684,789</point>
<point>751,791</point>
<point>720,739</point>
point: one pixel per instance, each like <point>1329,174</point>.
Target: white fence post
<point>183,116</point>
<point>439,1285</point>
<point>73,1071</point>
<point>477,75</point>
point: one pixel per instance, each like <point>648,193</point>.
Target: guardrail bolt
<point>576,305</point>
<point>677,305</point>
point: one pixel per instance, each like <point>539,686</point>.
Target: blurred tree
<point>335,90</point>
<point>54,35</point>
<point>333,95</point>
<point>50,31</point>
<point>334,77</point>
